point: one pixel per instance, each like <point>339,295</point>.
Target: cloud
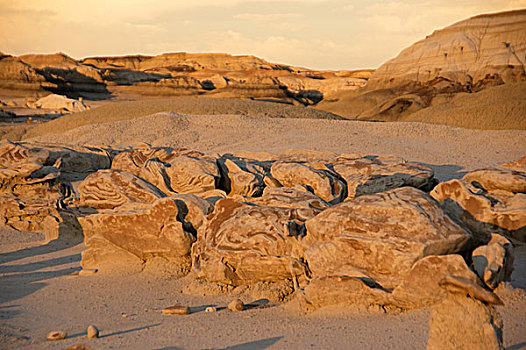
<point>266,18</point>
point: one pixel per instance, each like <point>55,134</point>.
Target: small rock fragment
<point>211,309</point>
<point>87,272</point>
<point>56,335</point>
<point>124,315</point>
<point>79,347</point>
<point>176,310</point>
<point>93,332</point>
<point>236,305</point>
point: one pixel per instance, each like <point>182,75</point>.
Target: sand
<point>39,291</point>
<point>450,151</point>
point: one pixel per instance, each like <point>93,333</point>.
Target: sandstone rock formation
<point>256,217</point>
<point>443,78</point>
<point>136,232</point>
<point>494,262</point>
<point>243,243</point>
<point>322,183</point>
<point>172,171</point>
<point>35,188</point>
<point>421,288</point>
<point>369,175</point>
<point>381,235</point>
<point>473,51</point>
<point>462,322</point>
<point>60,103</point>
<point>108,189</point>
<point>487,201</point>
<point>173,74</point>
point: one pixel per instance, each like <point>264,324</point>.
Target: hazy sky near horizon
<point>320,34</point>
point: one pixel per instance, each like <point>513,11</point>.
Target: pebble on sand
<point>87,272</point>
<point>176,310</point>
<point>236,305</point>
<point>211,309</point>
<point>56,335</point>
<point>92,331</point>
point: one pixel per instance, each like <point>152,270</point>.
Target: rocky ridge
<point>172,74</point>
<point>246,219</point>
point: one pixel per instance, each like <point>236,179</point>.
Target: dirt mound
<point>187,105</point>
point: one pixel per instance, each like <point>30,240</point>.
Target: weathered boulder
<point>241,176</point>
<point>136,232</point>
<point>70,160</point>
<point>133,160</point>
<point>517,165</point>
<point>494,262</point>
<point>34,184</point>
<point>107,189</point>
<point>462,322</point>
<point>371,174</point>
<point>192,211</point>
<point>382,235</point>
<point>172,171</point>
<point>341,290</point>
<point>420,286</point>
<point>243,243</point>
<point>485,211</point>
<point>286,197</point>
<point>498,179</point>
<point>60,102</point>
<point>189,174</point>
<point>322,183</point>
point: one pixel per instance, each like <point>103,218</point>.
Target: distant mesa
<point>173,74</point>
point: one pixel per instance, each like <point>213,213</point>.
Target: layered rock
<point>174,74</point>
<point>421,286</point>
<point>59,102</point>
<point>462,322</point>
<point>35,188</point>
<point>242,243</point>
<point>242,176</point>
<point>172,171</point>
<point>107,189</point>
<point>484,47</point>
<point>494,262</point>
<point>136,232</point>
<point>322,183</point>
<point>381,235</point>
<point>487,201</point>
<point>369,175</point>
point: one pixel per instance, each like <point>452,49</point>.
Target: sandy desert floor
<point>40,292</point>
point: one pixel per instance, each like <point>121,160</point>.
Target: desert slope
<point>187,105</point>
<point>483,49</point>
<point>468,57</point>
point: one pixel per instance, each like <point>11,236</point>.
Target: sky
<point>317,34</point>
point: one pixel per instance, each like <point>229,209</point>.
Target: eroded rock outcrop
<point>462,322</point>
<point>172,171</point>
<point>322,183</point>
<point>107,189</point>
<point>487,201</point>
<point>494,262</point>
<point>34,184</point>
<point>369,175</point>
<point>381,235</point>
<point>135,232</point>
<point>243,243</point>
<point>468,52</point>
